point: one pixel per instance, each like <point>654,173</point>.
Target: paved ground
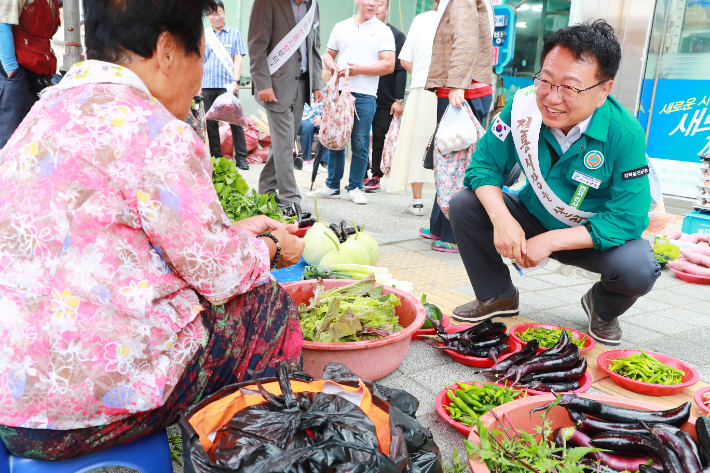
<point>674,318</point>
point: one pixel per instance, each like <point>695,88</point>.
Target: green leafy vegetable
<point>457,466</point>
<point>522,453</point>
<point>350,313</point>
<point>232,190</point>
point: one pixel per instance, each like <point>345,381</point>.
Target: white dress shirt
<point>566,141</point>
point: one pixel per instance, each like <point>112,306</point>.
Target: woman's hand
<point>254,226</point>
<point>291,248</point>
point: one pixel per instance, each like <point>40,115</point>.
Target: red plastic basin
<point>588,344</point>
<point>691,376</point>
<point>518,412</point>
<point>692,278</point>
<point>699,399</point>
<point>370,359</point>
<point>513,347</point>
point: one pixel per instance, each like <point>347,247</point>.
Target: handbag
<point>390,145</point>
<point>429,153</point>
<point>338,115</point>
<point>450,169</point>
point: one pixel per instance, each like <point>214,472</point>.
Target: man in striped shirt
<point>217,80</point>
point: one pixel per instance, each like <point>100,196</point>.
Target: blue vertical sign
<point>503,36</point>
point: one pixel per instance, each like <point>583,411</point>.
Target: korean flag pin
<point>500,129</point>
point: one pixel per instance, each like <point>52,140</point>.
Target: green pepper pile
<point>643,367</point>
<point>470,401</point>
<point>548,337</point>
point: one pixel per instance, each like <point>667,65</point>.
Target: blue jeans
<point>360,142</point>
<point>305,133</point>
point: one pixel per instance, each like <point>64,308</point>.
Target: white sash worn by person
<point>525,124</point>
<point>220,51</point>
<point>292,41</point>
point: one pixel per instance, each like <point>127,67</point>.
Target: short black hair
<point>219,3</point>
<point>117,27</point>
<point>593,40</point>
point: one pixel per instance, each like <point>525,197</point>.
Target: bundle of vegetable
<point>706,398</point>
<point>350,313</point>
<point>623,435</point>
<point>518,451</point>
<point>357,272</point>
<point>693,260</point>
<point>485,340</point>
<point>643,367</point>
<point>470,401</point>
<point>232,190</point>
<point>557,369</point>
<point>549,337</point>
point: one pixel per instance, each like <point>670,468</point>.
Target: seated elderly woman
<point>126,295</point>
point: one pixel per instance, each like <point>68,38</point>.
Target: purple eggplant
<point>690,442</point>
<point>575,373</point>
<point>631,443</point>
<point>482,332</point>
<point>676,417</point>
<point>527,352</point>
<point>560,386</point>
<point>618,462</point>
<point>478,353</point>
<point>593,426</point>
<point>490,342</point>
<point>567,360</point>
<point>557,349</point>
<point>685,453</point>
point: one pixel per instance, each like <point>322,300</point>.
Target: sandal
<point>439,245</point>
<point>426,233</point>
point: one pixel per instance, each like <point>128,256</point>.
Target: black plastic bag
<point>312,432</point>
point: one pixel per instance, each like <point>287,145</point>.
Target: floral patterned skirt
<point>251,333</point>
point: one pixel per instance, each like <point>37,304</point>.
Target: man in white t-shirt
<point>366,46</point>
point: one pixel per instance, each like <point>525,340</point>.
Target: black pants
<point>16,100</point>
<point>240,143</point>
<point>380,126</point>
<point>628,271</point>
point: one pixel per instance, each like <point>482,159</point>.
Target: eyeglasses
<point>568,93</point>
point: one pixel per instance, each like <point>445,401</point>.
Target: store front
<point>535,19</point>
<point>675,97</point>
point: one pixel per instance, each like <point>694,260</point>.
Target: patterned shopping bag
<point>450,169</point>
<point>338,115</point>
<point>390,145</point>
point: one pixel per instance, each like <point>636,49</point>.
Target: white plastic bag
<point>227,108</point>
<point>456,130</point>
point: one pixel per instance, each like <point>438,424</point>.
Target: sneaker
<point>439,245</point>
<point>478,311</point>
<point>357,197</point>
<point>415,209</point>
<point>608,333</point>
<point>372,185</point>
<point>325,192</point>
<point>298,163</point>
<point>426,233</point>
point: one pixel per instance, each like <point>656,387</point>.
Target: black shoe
<point>298,163</point>
<point>242,164</point>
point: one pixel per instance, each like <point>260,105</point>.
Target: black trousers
<point>240,143</point>
<point>16,100</point>
<point>380,126</point>
<point>627,271</point>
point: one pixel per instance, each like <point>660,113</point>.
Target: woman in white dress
<point>419,119</point>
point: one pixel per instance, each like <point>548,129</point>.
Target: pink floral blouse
<point>109,229</point>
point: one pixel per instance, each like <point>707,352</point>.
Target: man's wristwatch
<point>400,101</point>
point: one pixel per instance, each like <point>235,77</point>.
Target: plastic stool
<point>150,454</point>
